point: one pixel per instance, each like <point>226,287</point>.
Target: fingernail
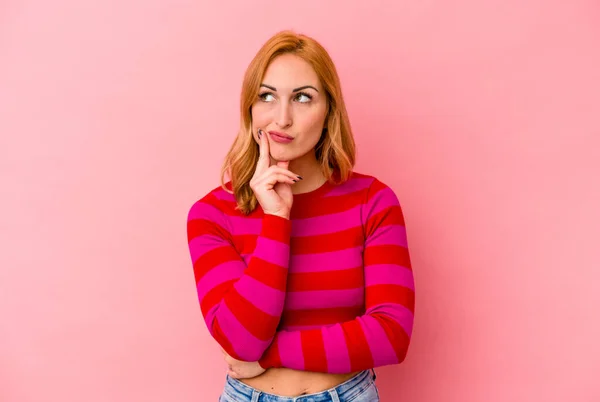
<point>259,133</point>
<point>300,177</point>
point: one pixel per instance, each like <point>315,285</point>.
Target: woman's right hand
<point>272,184</point>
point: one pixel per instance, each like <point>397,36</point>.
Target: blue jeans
<point>360,388</point>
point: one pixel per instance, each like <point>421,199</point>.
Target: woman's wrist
<point>268,359</point>
<point>280,215</point>
<point>276,227</point>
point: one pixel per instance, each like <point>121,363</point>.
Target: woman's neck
<point>309,168</point>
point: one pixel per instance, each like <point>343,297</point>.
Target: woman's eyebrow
<point>295,90</point>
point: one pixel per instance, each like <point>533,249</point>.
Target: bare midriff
<point>291,383</point>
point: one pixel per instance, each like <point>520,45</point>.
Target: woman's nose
<point>284,115</point>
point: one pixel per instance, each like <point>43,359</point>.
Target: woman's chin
<point>283,156</point>
<point>290,155</point>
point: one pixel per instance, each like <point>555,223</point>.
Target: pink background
<point>482,115</point>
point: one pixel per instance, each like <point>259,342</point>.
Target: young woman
<point>301,265</point>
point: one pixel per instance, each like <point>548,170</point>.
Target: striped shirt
<point>329,290</point>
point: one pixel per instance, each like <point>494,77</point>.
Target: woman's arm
<point>382,335</point>
<point>241,304</point>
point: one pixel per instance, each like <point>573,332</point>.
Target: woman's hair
<point>335,150</point>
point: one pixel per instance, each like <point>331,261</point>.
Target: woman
<point>302,267</point>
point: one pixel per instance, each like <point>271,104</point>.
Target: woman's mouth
<point>280,137</point>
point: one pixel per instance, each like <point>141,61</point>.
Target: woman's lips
<point>280,137</point>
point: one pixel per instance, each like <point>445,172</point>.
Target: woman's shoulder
<point>219,200</point>
<point>370,185</point>
<point>362,181</point>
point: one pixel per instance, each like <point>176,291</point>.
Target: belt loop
<point>255,395</point>
<point>334,395</point>
<point>374,375</point>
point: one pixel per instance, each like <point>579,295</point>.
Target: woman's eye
<point>300,97</point>
<point>304,98</point>
<point>266,97</point>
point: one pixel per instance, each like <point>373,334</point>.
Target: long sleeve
<point>381,335</point>
<point>241,304</point>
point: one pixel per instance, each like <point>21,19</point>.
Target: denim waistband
<point>345,391</point>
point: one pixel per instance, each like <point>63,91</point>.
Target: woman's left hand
<point>239,369</point>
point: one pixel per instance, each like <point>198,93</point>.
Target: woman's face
<point>291,103</point>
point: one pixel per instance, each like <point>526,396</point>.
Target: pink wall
<point>115,116</point>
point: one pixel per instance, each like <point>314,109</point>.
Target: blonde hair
<point>335,150</point>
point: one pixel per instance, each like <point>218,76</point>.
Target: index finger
<point>264,157</point>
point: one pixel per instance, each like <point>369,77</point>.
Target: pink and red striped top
<point>329,290</point>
